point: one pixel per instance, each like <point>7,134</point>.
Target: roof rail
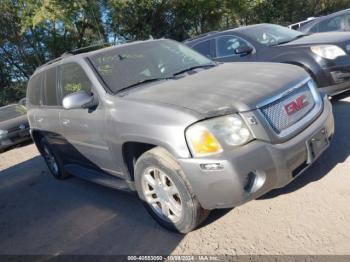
<point>54,60</point>
<point>200,36</point>
<point>89,48</point>
<point>81,50</point>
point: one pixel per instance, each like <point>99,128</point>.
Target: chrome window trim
<point>306,119</point>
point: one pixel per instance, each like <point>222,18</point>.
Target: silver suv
<point>187,134</point>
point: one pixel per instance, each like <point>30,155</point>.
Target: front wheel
<point>166,193</point>
<point>52,160</point>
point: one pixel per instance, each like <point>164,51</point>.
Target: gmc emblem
<point>296,105</point>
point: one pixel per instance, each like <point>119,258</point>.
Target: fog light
<point>339,76</point>
<point>254,181</point>
<point>212,166</point>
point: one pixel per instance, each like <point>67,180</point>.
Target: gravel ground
<point>40,215</point>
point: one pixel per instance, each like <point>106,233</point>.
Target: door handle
<point>66,122</point>
<point>40,119</point>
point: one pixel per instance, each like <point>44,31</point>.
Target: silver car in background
<point>14,126</point>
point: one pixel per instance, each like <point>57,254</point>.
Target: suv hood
<point>224,89</point>
<point>321,38</point>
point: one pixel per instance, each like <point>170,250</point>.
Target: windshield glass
<point>12,111</point>
<point>129,65</point>
<point>272,34</point>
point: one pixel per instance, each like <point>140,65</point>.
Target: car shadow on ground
<point>42,215</point>
<point>337,153</point>
<point>24,143</point>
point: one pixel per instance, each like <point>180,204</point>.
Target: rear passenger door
<point>48,119</point>
<point>84,129</point>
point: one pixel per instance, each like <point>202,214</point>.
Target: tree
<point>36,31</point>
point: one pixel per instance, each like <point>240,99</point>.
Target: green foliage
<point>35,31</point>
<point>72,87</point>
<point>21,109</point>
<point>12,93</point>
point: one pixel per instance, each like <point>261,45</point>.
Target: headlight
<point>3,133</point>
<point>211,136</point>
<point>328,51</point>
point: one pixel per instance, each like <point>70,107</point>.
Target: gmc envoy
<point>187,134</point>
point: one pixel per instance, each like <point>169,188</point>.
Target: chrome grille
<point>276,113</point>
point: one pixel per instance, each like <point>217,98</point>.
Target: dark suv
<point>325,56</point>
<point>339,21</point>
<point>187,134</point>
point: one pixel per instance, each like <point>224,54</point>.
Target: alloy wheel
<point>162,194</point>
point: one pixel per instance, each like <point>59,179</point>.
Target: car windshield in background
<point>12,111</point>
<point>270,35</point>
<point>134,64</point>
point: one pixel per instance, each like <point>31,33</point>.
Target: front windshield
<point>272,34</point>
<point>129,65</point>
<point>12,111</point>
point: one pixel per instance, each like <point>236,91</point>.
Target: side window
<point>50,90</point>
<point>347,19</point>
<point>314,29</point>
<point>226,45</point>
<point>73,79</point>
<point>333,24</point>
<point>203,48</point>
<point>34,89</point>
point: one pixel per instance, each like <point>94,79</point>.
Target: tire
<point>52,160</point>
<point>166,193</point>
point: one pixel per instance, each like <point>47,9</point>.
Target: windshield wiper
<point>164,78</point>
<point>192,68</point>
<point>143,82</point>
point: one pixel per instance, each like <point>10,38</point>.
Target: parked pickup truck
<point>187,134</point>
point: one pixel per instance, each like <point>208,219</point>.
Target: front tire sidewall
<point>60,174</point>
<point>190,208</point>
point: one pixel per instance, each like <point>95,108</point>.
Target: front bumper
<point>14,138</point>
<point>336,88</point>
<point>338,74</point>
<point>273,165</point>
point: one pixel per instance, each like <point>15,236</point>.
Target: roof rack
<point>54,60</point>
<point>200,36</point>
<point>81,50</point>
<point>89,48</point>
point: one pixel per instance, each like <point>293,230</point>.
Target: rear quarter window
<point>34,89</point>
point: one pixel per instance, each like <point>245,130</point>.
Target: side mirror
<point>80,99</point>
<point>243,50</point>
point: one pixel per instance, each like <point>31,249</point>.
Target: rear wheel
<point>52,160</point>
<point>166,193</point>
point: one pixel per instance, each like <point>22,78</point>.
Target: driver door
<point>84,129</point>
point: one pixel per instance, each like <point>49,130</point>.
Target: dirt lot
<point>40,215</point>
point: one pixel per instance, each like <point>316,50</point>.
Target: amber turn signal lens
<point>203,142</point>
